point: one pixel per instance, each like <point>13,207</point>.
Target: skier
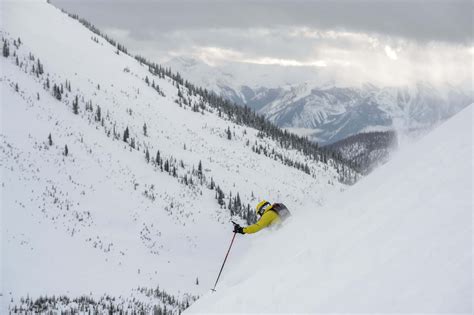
<point>270,215</point>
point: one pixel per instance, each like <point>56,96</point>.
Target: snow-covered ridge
<point>399,241</point>
<point>336,113</point>
<point>88,205</point>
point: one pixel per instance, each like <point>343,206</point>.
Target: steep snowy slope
<point>114,178</point>
<point>398,241</point>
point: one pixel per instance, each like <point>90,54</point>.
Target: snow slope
<point>103,220</point>
<point>399,241</point>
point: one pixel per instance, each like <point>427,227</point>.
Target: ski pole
<point>222,267</point>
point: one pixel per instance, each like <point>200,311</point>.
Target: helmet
<point>262,207</point>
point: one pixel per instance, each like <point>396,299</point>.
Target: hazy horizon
<point>384,42</point>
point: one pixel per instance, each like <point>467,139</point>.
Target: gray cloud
<point>416,19</point>
<point>390,42</point>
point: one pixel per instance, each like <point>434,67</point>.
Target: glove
<point>238,228</point>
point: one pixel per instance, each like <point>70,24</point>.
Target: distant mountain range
<point>327,113</point>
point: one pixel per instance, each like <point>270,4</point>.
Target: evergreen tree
<point>39,67</point>
<point>229,133</point>
<point>6,49</point>
<point>126,134</point>
<point>68,86</point>
<point>145,130</point>
<point>220,196</point>
<point>306,169</point>
<point>200,169</point>
<point>75,105</point>
<point>229,206</point>
<point>158,158</point>
<point>66,150</point>
<point>56,92</point>
<point>238,202</point>
<point>98,114</point>
<point>50,140</point>
<point>147,156</point>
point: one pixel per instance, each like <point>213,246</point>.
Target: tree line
<point>238,114</point>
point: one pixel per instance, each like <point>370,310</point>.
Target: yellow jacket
<point>269,218</point>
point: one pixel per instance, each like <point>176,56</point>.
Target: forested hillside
<point>119,178</point>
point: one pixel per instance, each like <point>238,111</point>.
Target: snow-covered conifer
<point>126,134</point>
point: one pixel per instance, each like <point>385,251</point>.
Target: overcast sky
<point>388,42</point>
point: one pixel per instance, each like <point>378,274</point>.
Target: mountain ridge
<point>326,108</point>
<point>118,175</point>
